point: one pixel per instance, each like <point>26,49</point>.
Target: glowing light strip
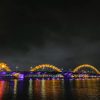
<point>4,66</point>
<point>47,66</point>
<point>88,66</point>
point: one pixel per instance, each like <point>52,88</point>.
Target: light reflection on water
<point>15,87</point>
<point>50,89</point>
<point>1,89</point>
<point>30,89</point>
<point>87,89</point>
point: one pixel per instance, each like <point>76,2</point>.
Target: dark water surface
<point>50,89</point>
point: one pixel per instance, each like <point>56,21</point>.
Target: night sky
<point>58,33</point>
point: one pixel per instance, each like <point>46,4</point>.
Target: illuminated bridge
<point>84,71</point>
<point>50,71</point>
<point>46,71</point>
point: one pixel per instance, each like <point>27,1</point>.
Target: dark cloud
<point>60,34</point>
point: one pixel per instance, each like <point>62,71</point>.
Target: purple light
<point>13,73</point>
<point>30,78</point>
<point>48,78</point>
<point>37,79</point>
<point>38,72</point>
<point>21,76</point>
<point>3,73</point>
<point>71,79</point>
<point>57,78</point>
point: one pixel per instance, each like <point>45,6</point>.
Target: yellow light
<point>88,66</point>
<point>47,66</point>
<point>4,66</point>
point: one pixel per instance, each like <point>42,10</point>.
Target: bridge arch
<point>87,66</point>
<point>5,67</point>
<point>46,66</point>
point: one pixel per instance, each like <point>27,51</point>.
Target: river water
<point>50,89</point>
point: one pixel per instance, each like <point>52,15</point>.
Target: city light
<point>46,73</point>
